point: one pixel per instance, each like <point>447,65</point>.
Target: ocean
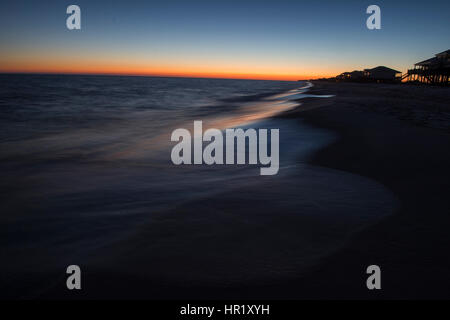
<point>87,179</point>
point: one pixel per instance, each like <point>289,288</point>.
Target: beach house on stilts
<point>432,71</point>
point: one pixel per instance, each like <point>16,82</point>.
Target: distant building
<point>357,75</point>
<point>343,76</point>
<point>382,74</point>
<point>432,71</point>
<point>351,76</point>
<point>378,74</point>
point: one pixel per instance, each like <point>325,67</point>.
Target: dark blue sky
<point>283,38</point>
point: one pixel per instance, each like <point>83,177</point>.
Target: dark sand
<point>397,135</point>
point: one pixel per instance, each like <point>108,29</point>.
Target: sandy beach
<point>397,135</point>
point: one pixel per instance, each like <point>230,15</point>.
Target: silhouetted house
<point>351,76</point>
<point>433,71</point>
<point>343,76</point>
<point>356,75</point>
<point>382,74</point>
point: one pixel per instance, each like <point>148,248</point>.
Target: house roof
<point>381,69</point>
<point>427,62</point>
<point>444,53</point>
<point>435,59</point>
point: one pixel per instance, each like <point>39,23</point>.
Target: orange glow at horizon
<point>217,75</point>
<point>194,69</point>
<point>163,73</point>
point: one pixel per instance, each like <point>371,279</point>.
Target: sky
<point>255,39</point>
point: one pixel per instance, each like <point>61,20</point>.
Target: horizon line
<point>193,76</point>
